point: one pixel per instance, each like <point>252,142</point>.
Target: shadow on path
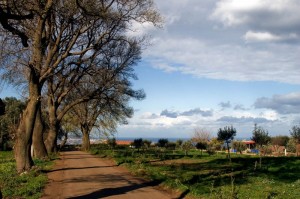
<point>76,168</point>
<point>115,191</point>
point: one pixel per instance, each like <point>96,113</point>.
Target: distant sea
<point>72,141</point>
<point>152,139</point>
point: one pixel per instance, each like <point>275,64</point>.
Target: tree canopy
<point>227,134</point>
<point>54,47</point>
<point>295,133</point>
<point>260,136</point>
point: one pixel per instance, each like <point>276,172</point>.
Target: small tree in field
<point>201,145</point>
<point>186,146</point>
<point>262,139</point>
<point>138,143</point>
<point>295,133</point>
<point>227,134</point>
<point>112,143</point>
<point>260,136</point>
<point>280,140</point>
<point>201,135</point>
<point>179,143</point>
<point>239,146</point>
<point>162,142</point>
<point>147,143</point>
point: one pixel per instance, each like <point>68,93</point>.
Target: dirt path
<point>80,175</point>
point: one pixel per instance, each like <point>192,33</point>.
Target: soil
<point>79,175</point>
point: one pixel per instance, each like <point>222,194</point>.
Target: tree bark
<point>54,124</point>
<point>51,141</point>
<point>25,130</point>
<point>228,151</point>
<point>39,149</point>
<point>86,145</point>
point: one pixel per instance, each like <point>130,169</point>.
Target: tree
<point>260,136</point>
<point>179,143</point>
<point>295,133</point>
<point>108,109</point>
<point>239,146</point>
<point>291,146</point>
<point>201,138</point>
<point>187,146</point>
<point>43,38</point>
<point>215,143</point>
<point>201,146</point>
<point>2,107</point>
<point>99,81</point>
<point>162,142</point>
<point>138,143</point>
<point>201,135</point>
<point>280,140</point>
<point>9,121</point>
<point>112,143</point>
<point>227,134</point>
<point>147,143</point>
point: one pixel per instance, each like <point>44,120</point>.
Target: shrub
<point>162,142</point>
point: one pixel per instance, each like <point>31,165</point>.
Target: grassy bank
<point>27,185</point>
<point>204,176</point>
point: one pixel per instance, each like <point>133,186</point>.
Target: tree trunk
<point>51,141</point>
<point>86,145</point>
<point>228,151</point>
<point>54,124</point>
<point>64,141</point>
<point>25,130</point>
<point>39,149</point>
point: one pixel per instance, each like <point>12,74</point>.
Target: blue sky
<point>217,63</point>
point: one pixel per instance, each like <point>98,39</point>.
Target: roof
<point>123,142</point>
<point>248,141</point>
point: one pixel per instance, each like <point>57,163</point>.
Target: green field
<point>212,176</point>
<point>27,185</point>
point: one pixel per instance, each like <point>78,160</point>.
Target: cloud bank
<point>223,40</point>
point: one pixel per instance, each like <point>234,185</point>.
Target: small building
<point>250,144</point>
<point>124,142</point>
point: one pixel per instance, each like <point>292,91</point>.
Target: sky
<point>217,63</point>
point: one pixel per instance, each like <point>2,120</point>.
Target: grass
<point>29,185</point>
<point>213,176</point>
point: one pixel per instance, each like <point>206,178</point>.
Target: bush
<point>239,146</point>
<point>162,142</point>
<point>211,150</point>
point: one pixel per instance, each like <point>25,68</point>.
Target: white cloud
<point>230,62</point>
<point>252,36</point>
<point>261,36</point>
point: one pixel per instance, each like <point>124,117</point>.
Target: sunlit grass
<point>214,176</point>
<point>27,185</point>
